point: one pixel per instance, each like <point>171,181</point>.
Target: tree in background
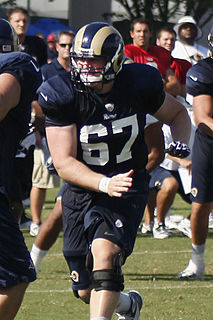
<point>6,3</point>
<point>166,10</point>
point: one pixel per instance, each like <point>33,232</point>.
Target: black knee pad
<point>107,280</point>
<point>89,261</point>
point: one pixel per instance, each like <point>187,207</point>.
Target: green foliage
<point>7,2</point>
<point>152,270</point>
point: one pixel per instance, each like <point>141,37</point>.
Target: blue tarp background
<point>47,26</point>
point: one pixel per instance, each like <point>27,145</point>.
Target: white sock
<point>37,255</point>
<point>124,303</point>
<point>198,253</point>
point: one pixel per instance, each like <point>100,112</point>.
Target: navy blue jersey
<point>199,78</point>
<point>51,69</point>
<point>111,128</point>
<point>14,126</point>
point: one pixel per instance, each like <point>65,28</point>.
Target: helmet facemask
<point>210,42</point>
<point>84,72</point>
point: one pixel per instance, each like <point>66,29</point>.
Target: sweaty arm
<point>62,142</point>
<point>176,116</point>
<point>203,113</point>
<point>10,92</point>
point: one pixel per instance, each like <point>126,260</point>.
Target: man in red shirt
<point>165,38</point>
<point>142,52</point>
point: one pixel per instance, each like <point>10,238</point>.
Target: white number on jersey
<point>102,147</point>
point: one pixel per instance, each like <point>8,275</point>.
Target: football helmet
<point>93,41</point>
<point>210,40</point>
<point>8,37</point>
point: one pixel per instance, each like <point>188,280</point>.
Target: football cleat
<point>172,221</point>
<point>147,228</point>
<point>136,304</point>
<point>34,229</point>
<point>159,231</point>
<point>193,271</point>
<point>185,227</point>
<point>211,220</point>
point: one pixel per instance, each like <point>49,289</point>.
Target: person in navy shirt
<point>19,79</point>
<point>95,130</point>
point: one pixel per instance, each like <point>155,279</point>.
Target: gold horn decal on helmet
<point>78,39</point>
<point>99,38</point>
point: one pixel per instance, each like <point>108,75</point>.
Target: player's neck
<point>143,47</point>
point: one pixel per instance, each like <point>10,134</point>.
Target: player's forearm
<point>154,159</point>
<point>181,126</point>
<point>79,174</point>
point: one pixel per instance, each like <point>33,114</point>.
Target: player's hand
<point>117,185</point>
<point>120,183</point>
<point>178,149</point>
<point>187,164</point>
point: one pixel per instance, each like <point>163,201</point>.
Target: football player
<point>95,129</point>
<point>200,86</point>
<point>19,80</point>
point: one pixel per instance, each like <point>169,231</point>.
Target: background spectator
<point>51,47</point>
<point>186,46</point>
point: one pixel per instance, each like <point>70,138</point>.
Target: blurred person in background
<point>33,45</point>
<point>41,178</point>
<point>186,46</point>
<point>141,51</point>
<point>51,47</point>
<point>165,38</point>
<point>37,48</point>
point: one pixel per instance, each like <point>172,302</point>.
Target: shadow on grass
<point>162,277</point>
<point>175,234</point>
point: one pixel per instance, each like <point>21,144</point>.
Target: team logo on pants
<point>74,276</point>
<point>194,192</point>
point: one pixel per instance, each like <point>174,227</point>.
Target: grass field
<point>152,270</point>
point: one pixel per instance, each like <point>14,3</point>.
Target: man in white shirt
<point>186,46</point>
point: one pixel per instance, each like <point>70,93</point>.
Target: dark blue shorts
<point>21,183</point>
<point>87,216</point>
<point>202,168</point>
<point>15,263</point>
<point>159,174</point>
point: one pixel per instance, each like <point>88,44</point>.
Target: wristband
<point>103,184</point>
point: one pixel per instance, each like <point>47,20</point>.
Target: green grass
<point>152,270</point>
